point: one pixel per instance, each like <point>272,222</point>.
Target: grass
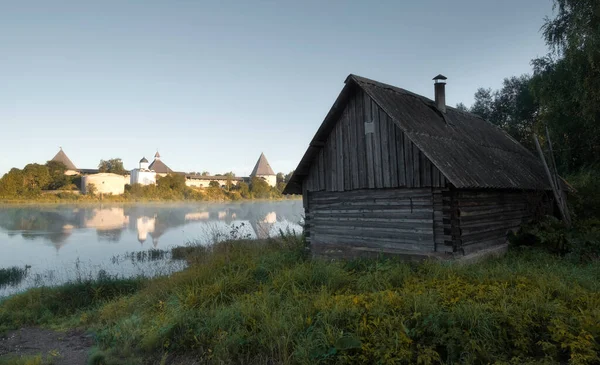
<point>267,302</point>
<point>12,276</point>
<point>50,359</point>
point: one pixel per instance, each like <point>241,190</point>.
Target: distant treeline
<point>33,181</point>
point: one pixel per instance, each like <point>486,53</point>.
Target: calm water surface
<point>61,243</point>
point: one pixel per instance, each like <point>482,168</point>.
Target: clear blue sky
<point>212,84</point>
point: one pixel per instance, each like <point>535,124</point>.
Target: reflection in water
<point>62,243</point>
<point>107,219</point>
<point>56,224</point>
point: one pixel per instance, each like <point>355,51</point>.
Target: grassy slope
<point>252,302</point>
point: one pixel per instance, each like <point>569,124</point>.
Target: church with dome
<point>143,174</point>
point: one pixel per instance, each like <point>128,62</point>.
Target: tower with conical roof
<point>62,157</point>
<point>160,167</point>
<point>263,170</point>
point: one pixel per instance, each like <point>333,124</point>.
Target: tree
<point>280,177</point>
<point>214,184</point>
<point>566,82</point>
<point>58,179</point>
<point>205,173</point>
<point>36,177</point>
<point>260,188</point>
<point>462,107</point>
<point>113,165</point>
<point>11,184</point>
<point>244,189</point>
<point>172,182</point>
<point>229,181</point>
<point>484,103</point>
<point>515,109</point>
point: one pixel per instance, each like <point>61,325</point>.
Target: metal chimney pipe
<point>440,92</point>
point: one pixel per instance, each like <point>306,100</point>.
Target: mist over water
<point>59,243</point>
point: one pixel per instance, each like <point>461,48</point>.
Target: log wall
<point>359,222</point>
<point>484,218</point>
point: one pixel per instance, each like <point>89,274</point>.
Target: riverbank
<point>268,302</point>
<point>83,199</point>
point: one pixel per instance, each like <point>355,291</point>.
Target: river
<point>60,243</point>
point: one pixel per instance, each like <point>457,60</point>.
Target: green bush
<point>585,201</point>
<point>580,243</point>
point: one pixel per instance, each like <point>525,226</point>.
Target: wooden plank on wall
<point>369,143</point>
<point>416,166</point>
<point>354,144</point>
<point>391,136</point>
<point>435,177</point>
<point>408,161</point>
<point>400,157</point>
<point>359,121</point>
<point>426,168</point>
<point>346,139</point>
<point>385,150</point>
<point>332,161</point>
<point>321,170</point>
<point>339,155</point>
<point>376,145</point>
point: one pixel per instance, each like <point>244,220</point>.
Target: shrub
<point>581,243</point>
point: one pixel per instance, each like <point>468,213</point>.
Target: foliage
<point>171,182</point>
<point>58,179</point>
<point>585,201</point>
<point>36,177</point>
<point>511,108</point>
<point>113,166</point>
<point>243,189</point>
<point>581,243</point>
<point>12,276</point>
<point>91,189</point>
<point>462,107</point>
<point>260,189</point>
<point>11,184</point>
<point>266,302</point>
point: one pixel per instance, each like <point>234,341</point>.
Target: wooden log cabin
<point>392,172</point>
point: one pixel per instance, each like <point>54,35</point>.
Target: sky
<point>212,84</point>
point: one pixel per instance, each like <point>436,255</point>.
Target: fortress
<point>146,174</point>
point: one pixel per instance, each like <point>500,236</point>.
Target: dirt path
<point>67,348</point>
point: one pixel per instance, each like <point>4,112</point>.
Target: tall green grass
<point>267,302</point>
<point>12,276</point>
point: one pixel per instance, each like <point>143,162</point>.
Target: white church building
<point>143,174</point>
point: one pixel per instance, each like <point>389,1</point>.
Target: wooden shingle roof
<point>61,156</point>
<point>469,151</point>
